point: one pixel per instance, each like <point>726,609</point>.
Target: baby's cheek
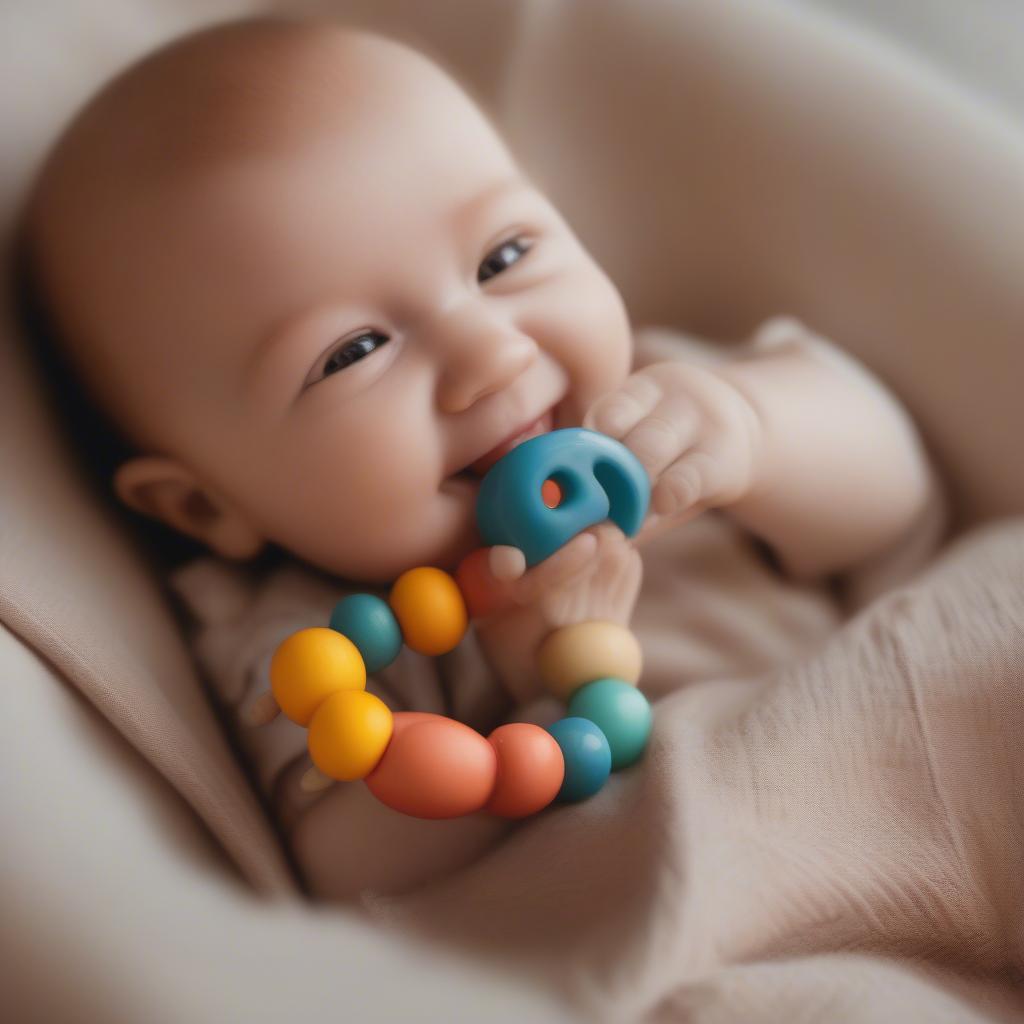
<point>579,321</point>
<point>603,339</point>
<point>366,523</point>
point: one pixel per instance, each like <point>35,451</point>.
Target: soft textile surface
<point>725,160</point>
<point>838,840</point>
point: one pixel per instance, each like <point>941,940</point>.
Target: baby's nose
<point>480,354</point>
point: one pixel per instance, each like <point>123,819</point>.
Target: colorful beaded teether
<point>537,498</point>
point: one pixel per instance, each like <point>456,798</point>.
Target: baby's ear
<point>164,489</point>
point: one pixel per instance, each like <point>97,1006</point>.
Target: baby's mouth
<point>542,425</point>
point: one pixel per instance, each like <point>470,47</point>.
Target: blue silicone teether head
<point>599,478</point>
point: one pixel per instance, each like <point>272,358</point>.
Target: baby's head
<point>304,277</point>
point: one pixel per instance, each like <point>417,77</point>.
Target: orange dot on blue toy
<point>371,625</point>
<point>587,756</point>
<point>621,712</point>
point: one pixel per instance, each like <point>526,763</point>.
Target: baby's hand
<point>695,433</point>
<point>596,575</point>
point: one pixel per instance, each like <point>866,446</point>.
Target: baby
<point>305,278</point>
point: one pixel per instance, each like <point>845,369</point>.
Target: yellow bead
<point>430,609</point>
<point>578,654</point>
<point>349,734</point>
<point>309,666</point>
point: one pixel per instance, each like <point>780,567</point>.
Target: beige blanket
<point>775,163</point>
<point>835,839</point>
<point>838,840</point>
<point>826,826</point>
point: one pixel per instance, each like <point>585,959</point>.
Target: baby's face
<point>359,297</point>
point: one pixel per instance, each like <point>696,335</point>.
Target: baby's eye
<point>497,260</point>
<point>352,351</point>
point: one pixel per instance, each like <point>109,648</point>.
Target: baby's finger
<point>661,437</point>
<point>506,562</point>
<point>620,411</point>
<point>566,562</point>
<point>692,480</point>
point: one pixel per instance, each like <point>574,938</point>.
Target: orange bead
<point>349,733</point>
<point>484,594</point>
<point>530,770</point>
<point>309,666</point>
<point>430,609</point>
<point>434,767</point>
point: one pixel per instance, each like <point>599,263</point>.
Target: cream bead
<point>578,654</point>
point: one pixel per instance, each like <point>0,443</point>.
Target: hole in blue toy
<point>551,493</point>
<point>560,486</point>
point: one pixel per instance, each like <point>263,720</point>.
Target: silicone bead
<point>434,767</point>
<point>588,758</point>
<point>597,478</point>
<point>483,594</point>
<point>430,610</point>
<point>371,625</point>
<point>349,733</point>
<point>309,666</point>
<point>585,651</point>
<point>530,770</point>
<point>621,712</point>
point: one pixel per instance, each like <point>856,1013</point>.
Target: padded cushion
<point>724,161</point>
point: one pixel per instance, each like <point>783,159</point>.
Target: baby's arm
<point>793,439</point>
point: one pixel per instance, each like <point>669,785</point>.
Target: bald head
<point>305,276</point>
<point>236,92</point>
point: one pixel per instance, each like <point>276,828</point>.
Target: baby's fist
<point>597,575</point>
<point>694,431</point>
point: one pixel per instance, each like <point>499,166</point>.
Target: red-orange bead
<point>484,594</point>
<point>530,770</point>
<point>434,767</point>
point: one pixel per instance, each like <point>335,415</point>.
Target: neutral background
<point>978,42</point>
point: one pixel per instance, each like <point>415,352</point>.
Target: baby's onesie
<point>712,606</point>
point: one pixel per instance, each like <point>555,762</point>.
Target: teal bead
<point>587,757</point>
<point>371,625</point>
<point>621,712</point>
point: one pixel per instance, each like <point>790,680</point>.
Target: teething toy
<point>536,498</point>
<point>595,478</point>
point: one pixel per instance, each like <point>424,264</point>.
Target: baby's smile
<point>542,425</point>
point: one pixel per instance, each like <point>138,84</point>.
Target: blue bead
<point>621,712</point>
<point>588,758</point>
<point>371,625</point>
<point>600,478</point>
